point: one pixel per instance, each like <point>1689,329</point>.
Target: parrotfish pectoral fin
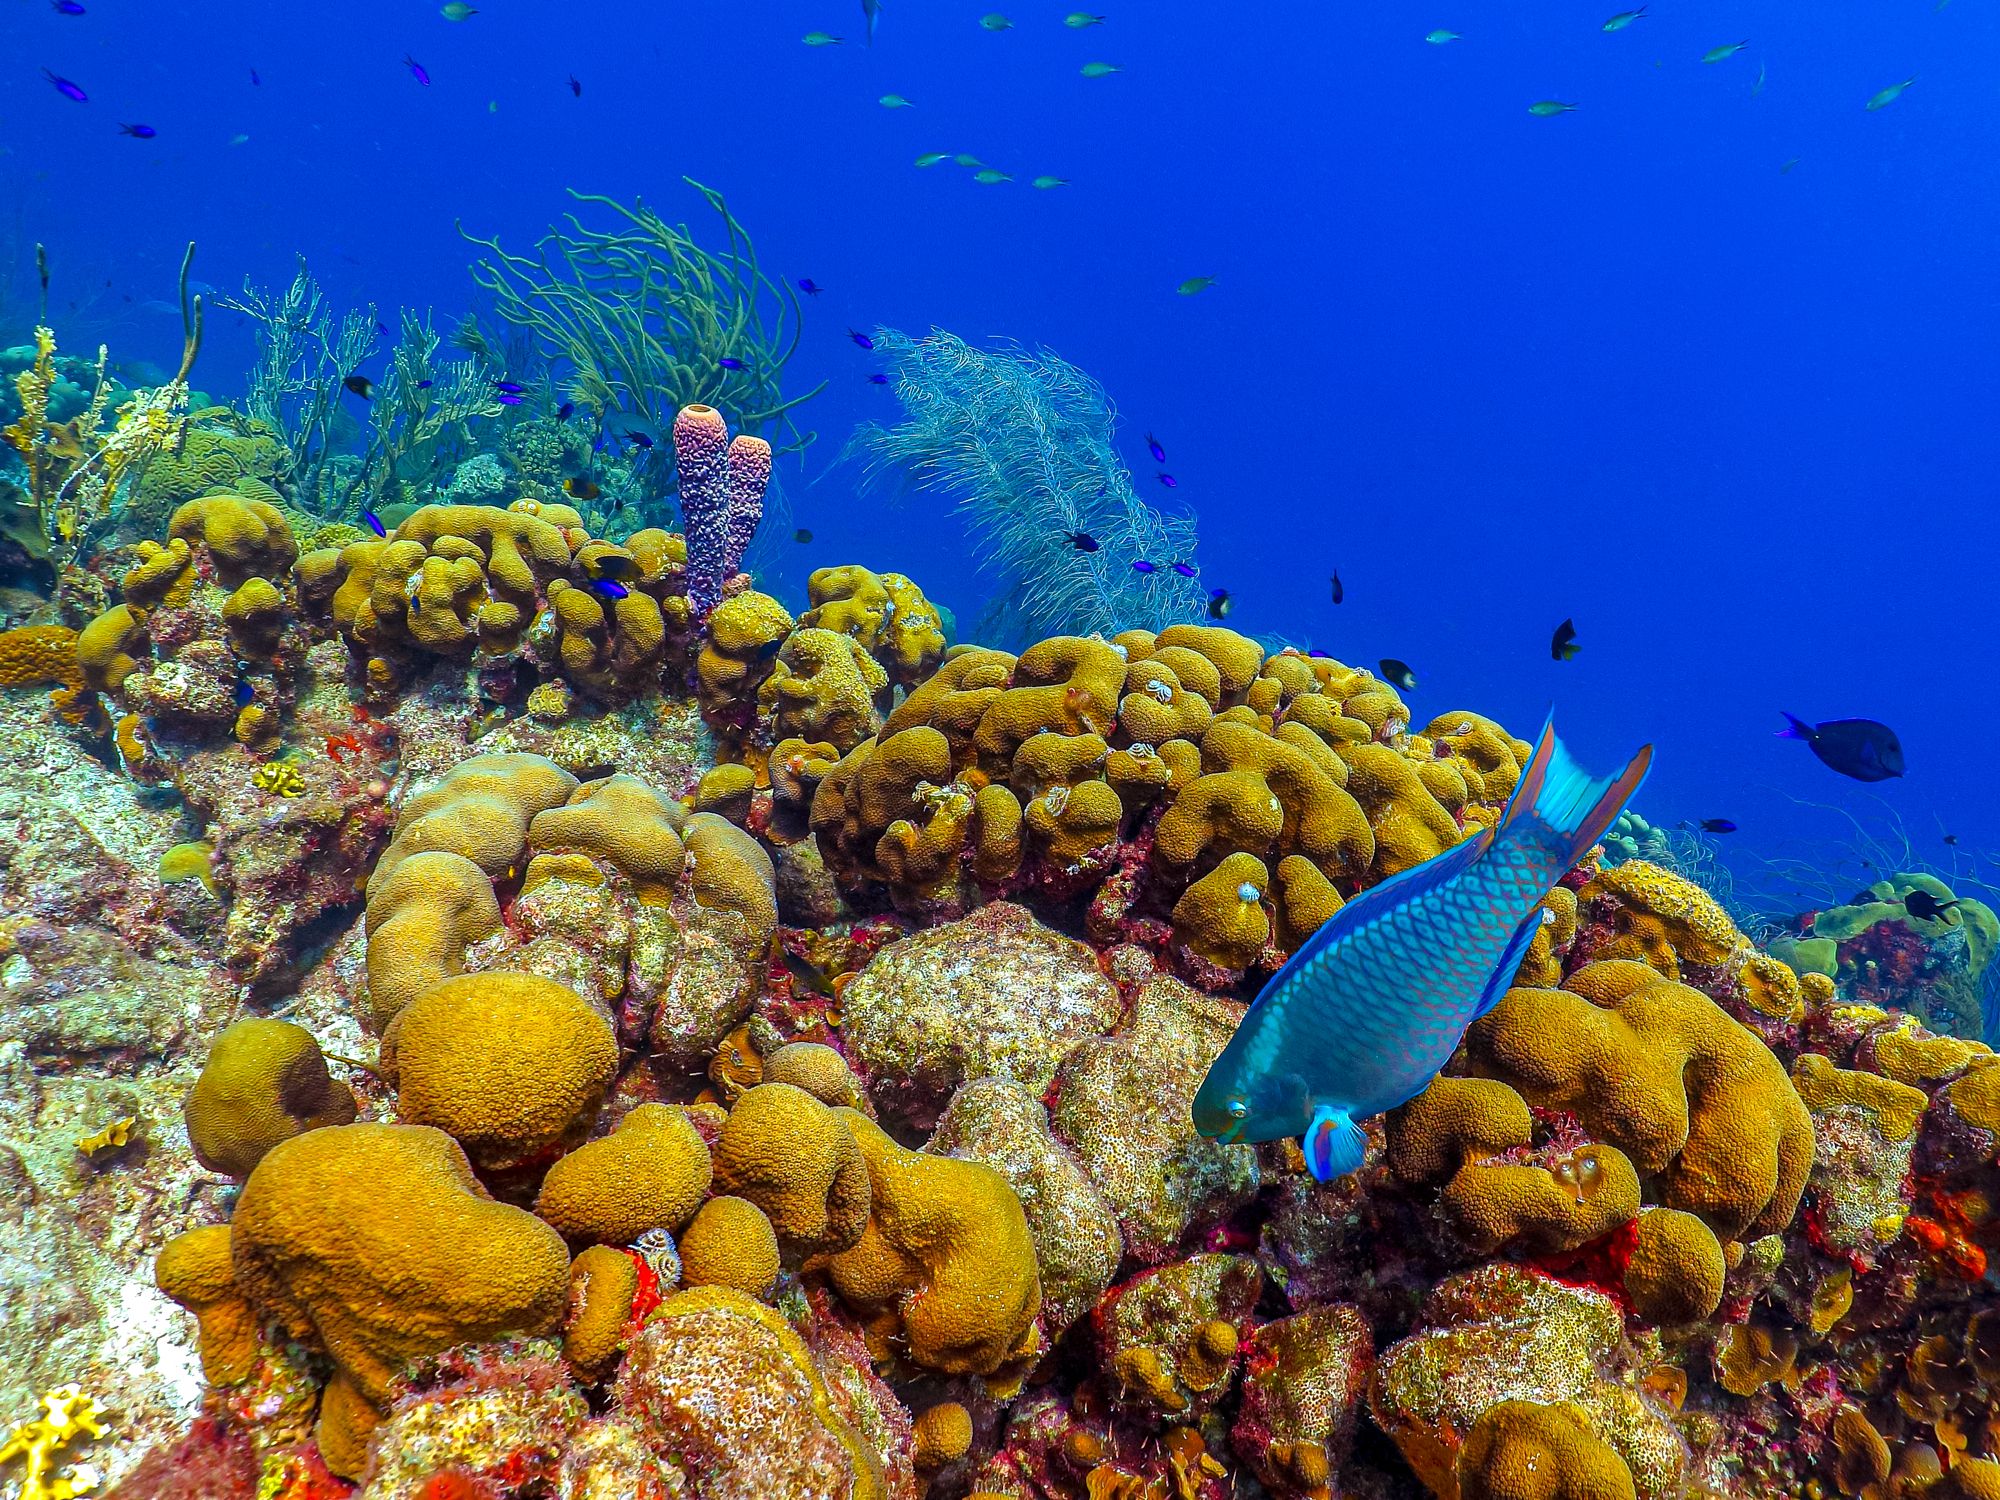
<point>1334,1144</point>
<point>1510,963</point>
<point>1573,805</point>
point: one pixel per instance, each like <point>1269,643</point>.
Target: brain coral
<point>994,995</point>
<point>376,1244</point>
<point>1503,1334</point>
<point>264,1082</point>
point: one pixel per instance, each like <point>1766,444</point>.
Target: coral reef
<point>506,1008</point>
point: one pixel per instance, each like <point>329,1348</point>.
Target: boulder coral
<point>265,1081</point>
<point>945,1262</point>
<point>377,1245</point>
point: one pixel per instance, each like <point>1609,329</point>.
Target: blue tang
<point>1375,1002</point>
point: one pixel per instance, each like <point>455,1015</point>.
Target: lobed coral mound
<point>680,1047</point>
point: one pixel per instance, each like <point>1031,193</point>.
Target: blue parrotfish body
<point>1374,1003</point>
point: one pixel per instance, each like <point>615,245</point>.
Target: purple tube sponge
<point>722,499</point>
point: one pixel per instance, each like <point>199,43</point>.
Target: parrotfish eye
<point>1236,1109</point>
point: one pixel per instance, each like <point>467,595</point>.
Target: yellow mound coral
<point>730,1243</point>
<point>947,1252</point>
<point>885,613</point>
<point>431,893</point>
<point>1660,1071</point>
<point>619,822</point>
<point>793,1158</point>
<point>651,1172</point>
<point>602,1282</point>
<point>745,634</point>
<point>265,1081</point>
<point>376,1244</point>
<point>39,656</point>
<point>511,1066</point>
<point>1569,1202</point>
<point>1676,1270</point>
<point>107,649</point>
<point>822,686</point>
<point>1523,1450</point>
<point>941,1435</point>
<point>1661,919</point>
<point>194,1268</point>
<point>244,538</point>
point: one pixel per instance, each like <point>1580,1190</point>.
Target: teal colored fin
<point>1334,1144</point>
<point>1574,806</point>
<point>1510,963</point>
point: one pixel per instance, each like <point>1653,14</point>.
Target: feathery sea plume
<point>1021,441</point>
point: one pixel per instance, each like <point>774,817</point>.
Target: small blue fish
<point>138,132</point>
<point>1153,447</point>
<point>66,7</point>
<point>729,362</point>
<point>1374,1003</point>
<point>509,387</point>
<point>424,385</point>
<point>245,694</point>
<point>68,90</point>
<point>810,287</point>
<point>565,411</point>
<point>610,588</point>
<point>416,70</point>
<point>861,338</point>
<point>1145,567</point>
<point>878,378</point>
<point>1170,482</point>
<point>510,398</point>
<point>1186,570</point>
<point>374,523</point>
<point>255,81</point>
<point>575,87</point>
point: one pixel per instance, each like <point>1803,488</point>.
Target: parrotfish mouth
<point>1228,1137</point>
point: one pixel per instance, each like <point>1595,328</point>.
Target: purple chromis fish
<point>810,287</point>
<point>374,523</point>
<point>68,90</point>
<point>66,7</point>
<point>138,132</point>
<point>509,387</point>
<point>1374,1002</point>
<point>1170,482</point>
<point>610,588</point>
<point>1142,566</point>
<point>729,362</point>
<point>1153,447</point>
<point>416,70</point>
<point>861,338</point>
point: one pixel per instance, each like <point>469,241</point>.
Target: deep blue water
<point>1738,421</point>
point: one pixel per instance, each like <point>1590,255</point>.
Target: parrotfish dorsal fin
<point>1334,1144</point>
<point>1573,805</point>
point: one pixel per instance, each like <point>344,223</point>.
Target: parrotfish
<point>1374,1003</point>
<point>1099,69</point>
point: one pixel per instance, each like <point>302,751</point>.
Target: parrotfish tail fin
<point>1334,1144</point>
<point>1571,804</point>
<point>1795,728</point>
